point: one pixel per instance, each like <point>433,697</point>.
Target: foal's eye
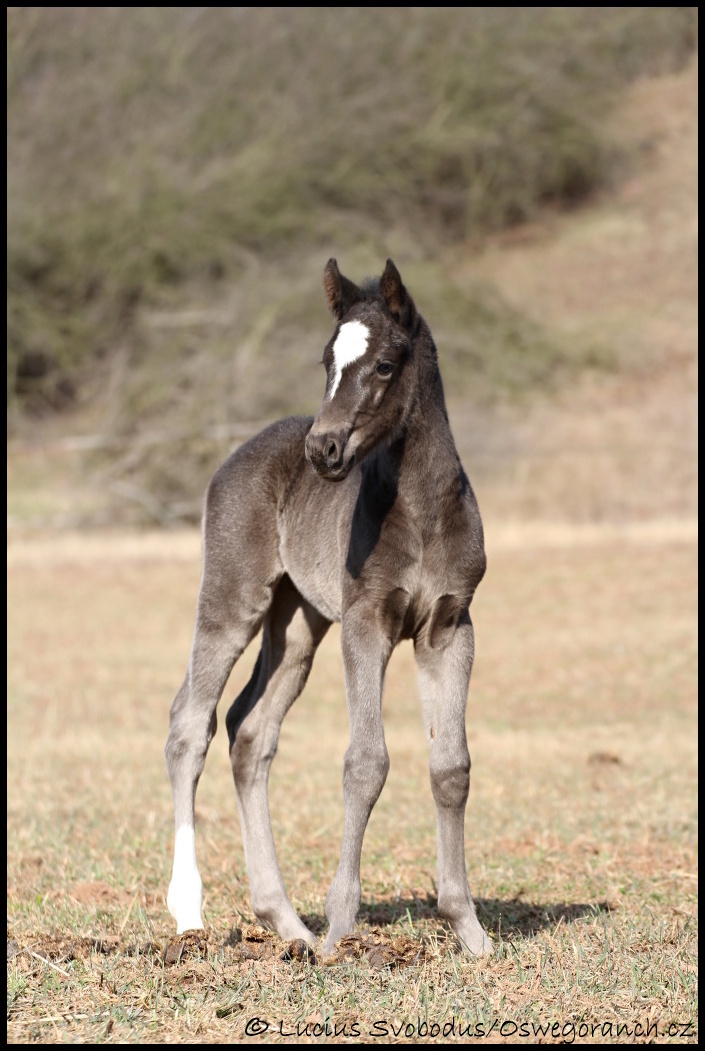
<point>385,368</point>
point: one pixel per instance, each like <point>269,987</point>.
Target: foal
<point>363,515</point>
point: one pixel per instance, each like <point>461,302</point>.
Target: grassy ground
<point>581,827</point>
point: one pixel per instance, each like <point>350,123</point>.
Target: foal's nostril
<point>325,452</point>
<point>334,453</point>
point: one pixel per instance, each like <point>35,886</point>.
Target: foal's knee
<point>191,730</point>
<point>365,772</point>
<point>252,752</point>
<point>450,778</point>
<point>174,751</point>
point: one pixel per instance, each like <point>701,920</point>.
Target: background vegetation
<point>178,177</point>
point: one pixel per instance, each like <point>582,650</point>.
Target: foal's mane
<point>370,288</point>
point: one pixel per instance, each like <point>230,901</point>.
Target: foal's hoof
<point>301,935</point>
<point>328,950</point>
<point>184,904</point>
<point>184,924</point>
<point>475,942</point>
<point>287,925</point>
<point>194,924</point>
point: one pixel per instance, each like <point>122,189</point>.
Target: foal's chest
<point>415,585</point>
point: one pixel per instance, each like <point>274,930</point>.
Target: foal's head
<point>370,370</point>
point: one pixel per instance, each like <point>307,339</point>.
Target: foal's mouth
<point>334,474</point>
<point>330,454</point>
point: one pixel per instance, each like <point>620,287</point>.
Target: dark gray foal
<point>363,515</point>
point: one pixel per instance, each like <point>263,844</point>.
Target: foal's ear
<point>401,305</point>
<point>340,292</point>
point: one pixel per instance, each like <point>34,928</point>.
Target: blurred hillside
<point>618,445</point>
<point>177,179</point>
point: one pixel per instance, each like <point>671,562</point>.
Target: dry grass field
<point>581,825</point>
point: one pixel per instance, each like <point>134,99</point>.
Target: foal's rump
<point>241,558</point>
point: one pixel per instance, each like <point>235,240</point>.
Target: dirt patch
<point>251,942</point>
<point>30,865</point>
<point>191,945</point>
<point>97,892</point>
<point>60,948</point>
<point>378,949</point>
<point>257,943</point>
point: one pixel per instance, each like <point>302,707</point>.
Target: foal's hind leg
<point>229,614</point>
<point>292,631</point>
<point>444,676</point>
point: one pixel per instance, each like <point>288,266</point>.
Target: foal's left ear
<point>401,305</point>
<point>341,293</point>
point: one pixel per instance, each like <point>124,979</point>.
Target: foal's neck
<point>423,464</point>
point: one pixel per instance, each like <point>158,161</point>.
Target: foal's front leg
<point>365,656</point>
<point>444,677</point>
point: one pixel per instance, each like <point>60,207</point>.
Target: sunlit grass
<point>581,829</point>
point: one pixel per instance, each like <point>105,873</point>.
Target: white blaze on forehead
<point>350,345</point>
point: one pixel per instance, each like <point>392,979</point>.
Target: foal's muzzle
<point>327,452</point>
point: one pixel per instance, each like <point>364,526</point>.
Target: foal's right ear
<point>401,305</point>
<point>341,293</point>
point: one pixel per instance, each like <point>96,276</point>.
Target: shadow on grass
<point>527,918</point>
<point>508,917</point>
